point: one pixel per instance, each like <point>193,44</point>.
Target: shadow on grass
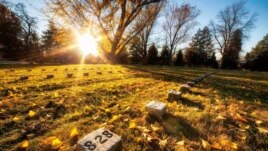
<point>190,103</point>
<point>177,127</point>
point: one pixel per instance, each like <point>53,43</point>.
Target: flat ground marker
<point>174,95</point>
<point>156,108</point>
<point>100,140</point>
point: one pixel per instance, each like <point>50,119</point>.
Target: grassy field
<point>227,111</point>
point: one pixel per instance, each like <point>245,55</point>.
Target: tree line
<point>133,32</point>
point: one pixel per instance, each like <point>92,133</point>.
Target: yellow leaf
<point>244,126</point>
<point>180,143</point>
<point>31,113</point>
<point>155,128</point>
<point>73,133</point>
<point>163,143</point>
<point>229,143</point>
<point>216,146</point>
<point>107,110</point>
<point>240,118</point>
<point>50,139</point>
<point>114,118</point>
<point>24,144</point>
<point>132,124</point>
<point>262,130</point>
<point>87,108</point>
<point>205,144</point>
<point>242,137</point>
<point>16,119</point>
<point>220,117</point>
<point>258,122</point>
<point>56,143</point>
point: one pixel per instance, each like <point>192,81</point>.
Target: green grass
<point>88,103</point>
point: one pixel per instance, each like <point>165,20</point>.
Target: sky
<point>208,8</point>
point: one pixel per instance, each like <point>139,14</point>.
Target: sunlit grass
<point>214,110</point>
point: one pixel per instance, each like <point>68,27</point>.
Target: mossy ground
<point>225,106</point>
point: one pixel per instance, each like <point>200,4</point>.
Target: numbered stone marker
<point>86,74</point>
<point>50,76</point>
<point>191,83</point>
<point>100,140</point>
<point>99,73</point>
<point>24,77</point>
<point>69,75</point>
<point>185,88</point>
<point>157,109</point>
<point>174,95</point>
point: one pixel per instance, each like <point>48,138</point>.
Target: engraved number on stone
<point>107,134</point>
<point>90,145</point>
<point>100,139</point>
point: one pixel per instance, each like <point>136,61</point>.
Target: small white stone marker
<point>86,74</point>
<point>69,75</point>
<point>191,83</point>
<point>99,73</point>
<point>156,108</point>
<point>50,76</point>
<point>185,88</point>
<point>100,140</point>
<point>24,77</point>
<point>174,95</point>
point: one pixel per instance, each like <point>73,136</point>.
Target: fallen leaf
<point>16,119</point>
<point>216,146</point>
<point>73,133</point>
<point>56,143</point>
<point>258,122</point>
<point>24,144</point>
<point>180,143</point>
<point>155,128</point>
<point>31,113</point>
<point>163,143</point>
<point>114,118</point>
<point>132,124</point>
<point>220,117</point>
<point>262,130</point>
<point>229,143</point>
<point>205,144</point>
<point>239,118</point>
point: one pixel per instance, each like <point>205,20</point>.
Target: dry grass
<point>225,106</point>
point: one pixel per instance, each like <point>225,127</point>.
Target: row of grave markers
<point>29,70</point>
<point>105,140</point>
<point>69,75</point>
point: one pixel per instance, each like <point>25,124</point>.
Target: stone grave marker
<point>43,70</point>
<point>55,70</point>
<point>99,73</point>
<point>29,70</point>
<point>50,76</point>
<point>86,74</point>
<point>185,88</point>
<point>174,95</point>
<point>155,108</point>
<point>69,75</point>
<point>12,70</point>
<point>100,140</point>
<point>191,83</point>
<point>111,72</point>
<point>24,77</point>
<point>66,69</point>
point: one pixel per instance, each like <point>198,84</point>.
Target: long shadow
<point>177,127</point>
<point>191,103</point>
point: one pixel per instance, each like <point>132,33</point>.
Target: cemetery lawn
<point>227,111</point>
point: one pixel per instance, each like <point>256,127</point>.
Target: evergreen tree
<point>152,56</point>
<point>230,58</point>
<point>165,56</point>
<point>49,36</point>
<point>257,58</point>
<point>179,59</point>
<point>201,48</point>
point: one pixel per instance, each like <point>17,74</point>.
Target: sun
<point>87,44</point>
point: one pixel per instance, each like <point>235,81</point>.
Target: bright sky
<point>209,10</point>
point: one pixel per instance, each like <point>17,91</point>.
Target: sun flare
<point>87,44</point>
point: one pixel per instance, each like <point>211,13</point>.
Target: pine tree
<point>49,36</point>
<point>152,57</point>
<point>179,59</point>
<point>165,56</point>
<point>257,58</point>
<point>201,48</point>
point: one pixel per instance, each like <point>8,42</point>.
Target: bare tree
<point>179,20</point>
<point>28,24</point>
<point>111,19</point>
<point>232,18</point>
